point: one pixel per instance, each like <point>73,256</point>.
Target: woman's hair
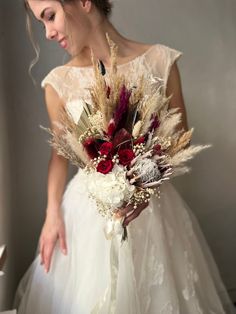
<point>103,6</point>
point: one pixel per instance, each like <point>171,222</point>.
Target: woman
<point>167,266</point>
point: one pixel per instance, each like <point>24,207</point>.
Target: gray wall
<point>204,31</point>
<point>6,203</point>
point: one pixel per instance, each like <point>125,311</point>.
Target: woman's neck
<point>127,49</point>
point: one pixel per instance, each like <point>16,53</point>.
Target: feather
<point>181,142</point>
<point>180,171</point>
<point>76,147</point>
<point>63,147</point>
<point>167,127</point>
<point>152,105</point>
<point>166,112</point>
<point>186,154</point>
<point>113,54</point>
<point>98,91</point>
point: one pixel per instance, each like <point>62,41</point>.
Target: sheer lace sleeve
<point>53,78</point>
<point>62,81</point>
<point>165,58</point>
<point>71,86</point>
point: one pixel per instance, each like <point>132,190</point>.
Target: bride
<point>166,266</point>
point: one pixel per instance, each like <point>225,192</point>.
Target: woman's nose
<point>50,34</point>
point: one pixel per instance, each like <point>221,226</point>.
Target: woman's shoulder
<point>155,47</point>
<point>58,78</point>
<point>162,55</point>
<point>163,50</point>
<point>56,75</point>
<point>159,57</point>
<point>162,59</point>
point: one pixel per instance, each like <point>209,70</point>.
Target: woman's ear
<point>86,5</point>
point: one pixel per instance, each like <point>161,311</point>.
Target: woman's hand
<point>53,229</point>
<point>135,212</point>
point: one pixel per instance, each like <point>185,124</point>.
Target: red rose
<point>125,156</point>
<point>106,148</point>
<point>105,166</point>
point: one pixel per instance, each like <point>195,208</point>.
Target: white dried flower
<point>111,189</point>
<point>147,170</point>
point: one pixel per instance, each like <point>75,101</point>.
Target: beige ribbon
<point>118,249</point>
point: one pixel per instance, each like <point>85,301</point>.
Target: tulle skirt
<point>165,267</point>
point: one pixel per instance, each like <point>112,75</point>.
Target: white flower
<point>147,169</point>
<point>112,189</point>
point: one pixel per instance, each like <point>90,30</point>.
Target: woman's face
<point>69,30</point>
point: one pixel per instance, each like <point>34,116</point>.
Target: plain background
<point>204,31</point>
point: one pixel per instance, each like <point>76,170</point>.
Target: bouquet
<point>126,141</point>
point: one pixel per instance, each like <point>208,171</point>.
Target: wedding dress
<point>166,267</point>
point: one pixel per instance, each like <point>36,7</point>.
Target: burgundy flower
<point>111,128</point>
<point>106,148</point>
<point>157,149</point>
<point>105,166</point>
<point>122,139</point>
<point>155,123</point>
<point>120,113</point>
<point>90,147</point>
<point>139,140</point>
<point>125,156</point>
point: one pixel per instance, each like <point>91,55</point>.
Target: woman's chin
<point>68,50</point>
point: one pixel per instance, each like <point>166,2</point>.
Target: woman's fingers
<point>136,212</point>
<point>132,216</point>
<point>123,211</point>
<point>41,251</point>
<point>62,241</point>
<point>47,254</point>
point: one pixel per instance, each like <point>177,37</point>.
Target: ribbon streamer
<point>119,253</point>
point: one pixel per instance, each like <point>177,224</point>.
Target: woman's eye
<point>51,17</point>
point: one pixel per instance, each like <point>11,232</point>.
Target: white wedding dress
<point>166,267</point>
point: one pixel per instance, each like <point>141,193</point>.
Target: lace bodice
<point>71,83</point>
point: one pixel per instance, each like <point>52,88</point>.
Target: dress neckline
<point>90,67</point>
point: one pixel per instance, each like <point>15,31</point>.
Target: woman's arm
<point>58,165</point>
<point>57,173</point>
<point>53,227</point>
